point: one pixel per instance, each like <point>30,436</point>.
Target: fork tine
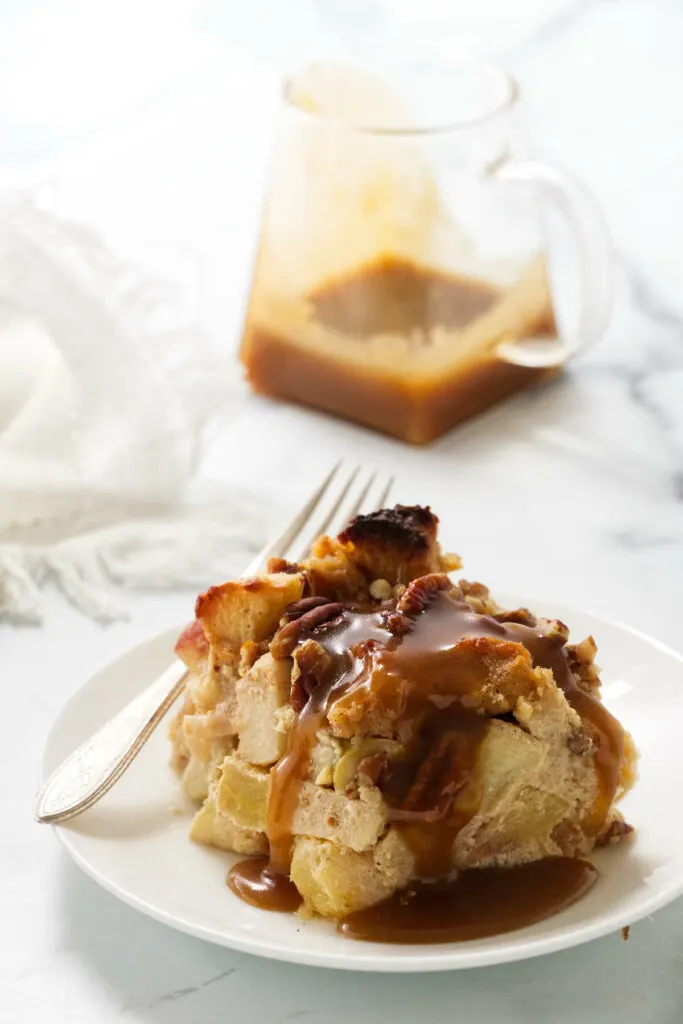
<point>347,490</point>
<point>369,492</point>
<point>384,500</point>
<point>277,548</point>
<point>324,512</point>
<point>378,493</point>
<point>353,501</point>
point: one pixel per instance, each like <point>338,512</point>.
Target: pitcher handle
<point>595,259</point>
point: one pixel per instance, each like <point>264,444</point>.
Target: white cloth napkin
<point>104,412</point>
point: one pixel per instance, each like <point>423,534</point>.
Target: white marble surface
<point>575,491</point>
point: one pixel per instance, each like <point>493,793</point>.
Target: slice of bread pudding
<point>366,722</point>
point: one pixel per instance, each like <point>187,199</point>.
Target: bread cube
<point>211,828</point>
<point>325,814</point>
<point>507,755</point>
<point>334,881</point>
<point>195,779</point>
<point>260,694</point>
<point>242,793</point>
<point>525,784</point>
<point>247,609</point>
<point>192,647</point>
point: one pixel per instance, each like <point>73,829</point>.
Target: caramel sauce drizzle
<point>425,679</point>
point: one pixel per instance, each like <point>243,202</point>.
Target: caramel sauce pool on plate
<point>470,905</point>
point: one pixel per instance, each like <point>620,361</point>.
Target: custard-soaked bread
<point>334,880</point>
<point>397,544</point>
<point>369,722</point>
<point>391,546</point>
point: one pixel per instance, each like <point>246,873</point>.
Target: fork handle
<point>97,764</point>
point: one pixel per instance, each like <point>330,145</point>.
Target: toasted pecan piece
<point>421,592</point>
<point>298,622</point>
<point>311,663</point>
<point>617,830</point>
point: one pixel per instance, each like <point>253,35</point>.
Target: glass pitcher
<point>401,277</point>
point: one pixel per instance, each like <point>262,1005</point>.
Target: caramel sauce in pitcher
<point>423,670</point>
<point>408,350</point>
<point>394,297</point>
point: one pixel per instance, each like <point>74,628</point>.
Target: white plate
<point>135,842</point>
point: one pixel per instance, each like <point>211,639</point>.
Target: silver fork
<point>91,770</point>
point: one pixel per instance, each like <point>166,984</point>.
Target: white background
<point>576,491</point>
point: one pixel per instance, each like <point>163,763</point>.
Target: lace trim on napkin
<point>106,402</point>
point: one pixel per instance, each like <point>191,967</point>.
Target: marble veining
<point>556,24</point>
<point>177,993</point>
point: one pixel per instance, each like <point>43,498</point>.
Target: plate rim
<point>464,957</point>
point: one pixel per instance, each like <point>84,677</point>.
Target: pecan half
<point>421,592</point>
<point>287,637</point>
<point>317,616</point>
<point>299,608</point>
<point>436,782</point>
